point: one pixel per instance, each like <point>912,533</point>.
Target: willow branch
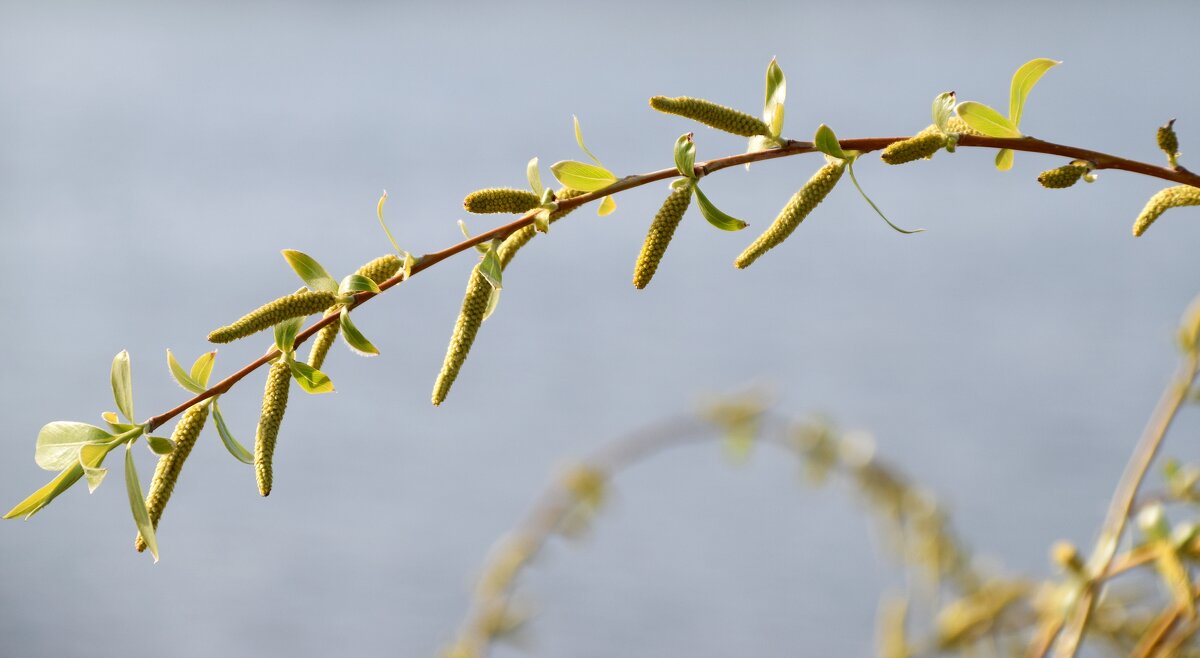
<point>787,149</point>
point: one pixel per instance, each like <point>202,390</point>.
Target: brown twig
<point>789,148</point>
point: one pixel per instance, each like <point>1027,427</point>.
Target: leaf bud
<point>1168,141</point>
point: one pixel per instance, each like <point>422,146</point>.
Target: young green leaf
<point>774,99</point>
<point>231,444</point>
<point>90,458</point>
<point>583,147</point>
<point>122,385</point>
<point>535,177</point>
<point>607,206</point>
<point>356,283</point>
<point>1004,159</point>
<point>114,423</point>
<point>137,503</point>
<point>160,445</point>
<point>379,212</point>
<point>202,369</point>
<point>685,156</point>
<point>58,443</point>
<point>310,379</point>
<point>493,301</point>
<point>354,338</point>
<point>490,268</point>
<point>462,227</point>
<point>875,207</point>
<point>986,120</point>
<point>42,497</point>
<point>582,176</point>
<point>715,216</point>
<point>1022,82</point>
<point>181,376</point>
<point>943,107</point>
<point>827,142</point>
<point>310,271</point>
<point>285,334</point>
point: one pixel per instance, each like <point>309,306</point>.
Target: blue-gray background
<point>154,159</point>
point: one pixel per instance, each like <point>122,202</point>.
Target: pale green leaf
<point>354,338</point>
<point>685,155</point>
<point>491,269</point>
<point>160,445</point>
<point>582,146</point>
<point>773,100</point>
<point>181,376</point>
<point>202,369</point>
<point>122,385</point>
<point>535,177</point>
<point>943,107</point>
<point>114,422</point>
<point>388,232</point>
<point>285,334</point>
<point>759,143</point>
<point>231,444</point>
<point>775,125</point>
<point>1004,159</point>
<point>986,120</point>
<point>137,503</point>
<point>607,206</point>
<point>310,271</point>
<point>492,302</point>
<point>90,458</point>
<point>1022,82</point>
<point>310,379</point>
<point>357,283</point>
<point>827,142</point>
<point>715,216</point>
<point>879,212</point>
<point>58,443</point>
<point>42,497</point>
<point>582,176</point>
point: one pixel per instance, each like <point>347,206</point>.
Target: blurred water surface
<point>156,158</point>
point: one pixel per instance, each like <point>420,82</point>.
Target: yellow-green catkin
<point>957,125</point>
<point>1064,176</point>
<point>500,200</point>
<point>800,205</point>
<point>1172,197</point>
<point>381,269</point>
<point>1168,141</point>
<point>712,115</point>
<point>166,474</point>
<point>662,229</point>
<point>275,396</point>
<point>322,343</point>
<point>922,145</point>
<point>475,302</point>
<point>285,308</point>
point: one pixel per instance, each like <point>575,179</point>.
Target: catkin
<point>275,396</point>
<point>662,229</point>
<point>285,308</point>
<point>381,269</point>
<point>500,200</point>
<point>712,115</point>
<point>475,301</point>
<point>1172,197</point>
<point>166,474</point>
<point>922,145</point>
<point>322,343</point>
<point>800,205</point>
<point>957,125</point>
<point>1168,141</point>
<point>1064,176</point>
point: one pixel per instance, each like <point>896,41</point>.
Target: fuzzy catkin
<point>321,344</point>
<point>264,317</point>
<point>500,200</point>
<point>957,125</point>
<point>922,145</point>
<point>800,205</point>
<point>166,473</point>
<point>475,301</point>
<point>712,115</point>
<point>662,229</point>
<point>1168,141</point>
<point>1061,177</point>
<point>1172,197</point>
<point>381,269</point>
<point>275,396</point>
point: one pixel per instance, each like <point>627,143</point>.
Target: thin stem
<point>1147,447</point>
<point>789,148</point>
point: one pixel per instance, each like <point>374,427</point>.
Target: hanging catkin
<point>662,229</point>
<point>166,473</point>
<point>1172,197</point>
<point>712,115</point>
<point>275,397</point>
<point>800,205</point>
<point>264,317</point>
